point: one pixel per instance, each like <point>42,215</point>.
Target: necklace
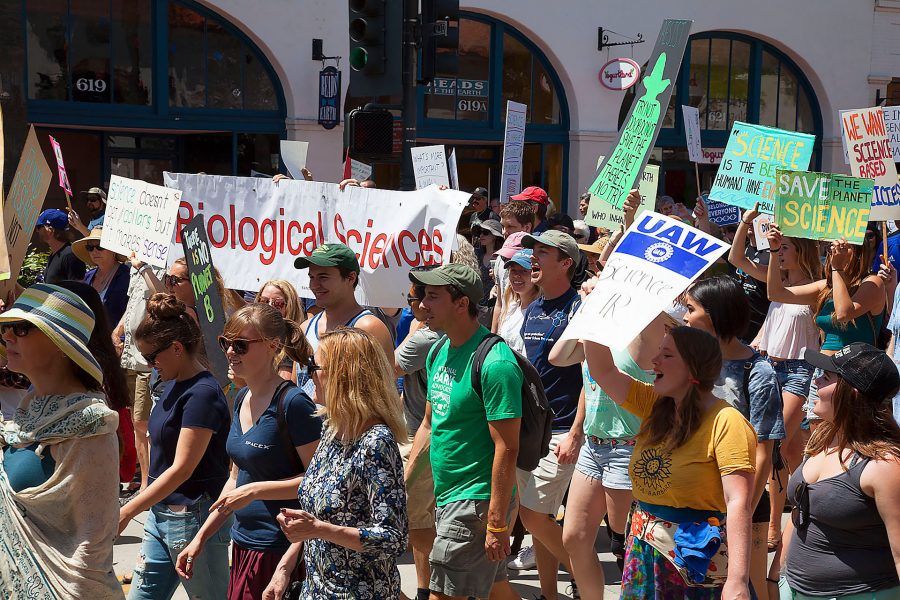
<point>105,281</point>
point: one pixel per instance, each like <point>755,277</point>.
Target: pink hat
<point>512,245</point>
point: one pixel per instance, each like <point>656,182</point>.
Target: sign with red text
<point>60,166</point>
<point>140,218</point>
<point>869,150</point>
<point>620,74</point>
<point>257,229</point>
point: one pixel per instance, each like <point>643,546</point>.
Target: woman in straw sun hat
<point>59,459</point>
<point>109,275</point>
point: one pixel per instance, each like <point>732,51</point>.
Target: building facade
<point>136,87</point>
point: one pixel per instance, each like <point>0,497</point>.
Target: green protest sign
<point>822,206</point>
<point>602,214</point>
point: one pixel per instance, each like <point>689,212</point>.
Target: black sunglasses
<point>800,512</point>
<point>19,328</point>
<point>150,359</point>
<point>173,280</point>
<point>237,345</point>
<point>92,247</point>
<point>311,366</point>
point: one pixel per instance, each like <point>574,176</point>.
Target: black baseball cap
<point>481,192</point>
<point>330,255</point>
<point>868,369</point>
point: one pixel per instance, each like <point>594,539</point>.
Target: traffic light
<point>376,42</point>
<point>370,133</point>
<point>440,38</point>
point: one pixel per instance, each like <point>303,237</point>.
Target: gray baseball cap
<point>557,239</point>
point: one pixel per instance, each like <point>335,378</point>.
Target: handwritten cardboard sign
<point>513,149</point>
<point>823,206</point>
<point>140,218</point>
<point>869,150</point>
<point>430,166</point>
<point>61,166</point>
<point>601,214</point>
<point>692,133</point>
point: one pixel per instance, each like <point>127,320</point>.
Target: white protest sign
<point>892,128</point>
<point>293,153</point>
<point>871,158</point>
<point>257,229</point>
<point>760,229</point>
<point>360,171</point>
<point>513,148</point>
<point>140,218</point>
<point>429,166</point>
<point>454,172</point>
<point>692,132</point>
<point>656,260</point>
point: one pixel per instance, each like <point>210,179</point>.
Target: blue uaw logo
<point>659,252</point>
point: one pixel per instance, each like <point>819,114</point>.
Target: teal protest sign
<point>617,175</point>
<point>747,172</point>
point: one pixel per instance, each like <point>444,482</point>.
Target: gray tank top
<point>843,548</point>
<point>304,381</point>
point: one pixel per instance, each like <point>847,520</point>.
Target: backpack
<point>283,433</point>
<point>536,427</point>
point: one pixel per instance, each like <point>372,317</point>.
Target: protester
<point>53,230</point>
<point>188,464</point>
<point>665,205</point>
<point>592,253</point>
<point>580,231</point>
<point>893,243</point>
<point>753,288</point>
<point>489,235</point>
<point>282,296</point>
<point>584,202</point>
<point>516,217</point>
<point>352,519</point>
<point>562,222</point>
<point>481,212</point>
<point>692,465</point>
<point>540,202</point>
<point>474,441</point>
<point>95,199</point>
<point>58,488</point>
<point>273,436</point>
<point>846,493</point>
<point>109,275</point>
<point>518,296</point>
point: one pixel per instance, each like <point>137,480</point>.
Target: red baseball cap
<point>533,194</point>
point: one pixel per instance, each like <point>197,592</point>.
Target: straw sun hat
<point>79,247</point>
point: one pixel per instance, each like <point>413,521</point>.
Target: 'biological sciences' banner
<point>656,260</point>
<point>616,177</point>
<point>140,218</point>
<point>870,155</point>
<point>747,172</point>
<point>822,206</point>
<point>257,228</point>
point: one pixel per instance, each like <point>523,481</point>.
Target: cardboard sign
<point>23,204</point>
<point>513,148</point>
<point>257,229</point>
<point>760,229</point>
<point>692,133</point>
<point>140,218</point>
<point>360,171</point>
<point>722,214</point>
<point>601,214</point>
<point>656,260</point>
<point>293,154</point>
<point>210,312</point>
<point>747,172</point>
<point>870,155</point>
<point>823,206</point>
<point>4,253</point>
<point>892,129</point>
<point>60,166</point>
<point>453,170</point>
<point>621,169</point>
<point>429,166</point>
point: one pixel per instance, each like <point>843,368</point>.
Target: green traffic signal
<point>358,59</point>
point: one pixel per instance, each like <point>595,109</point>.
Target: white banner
<point>257,229</point>
<point>692,132</point>
<point>429,166</point>
<point>656,260</point>
<point>513,148</point>
<point>293,154</point>
<point>140,218</point>
<point>870,155</point>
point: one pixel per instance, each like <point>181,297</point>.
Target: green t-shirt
<point>462,451</point>
<point>604,418</point>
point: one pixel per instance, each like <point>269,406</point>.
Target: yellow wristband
<point>497,529</point>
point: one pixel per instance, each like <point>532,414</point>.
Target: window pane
<point>768,90</point>
<point>259,93</point>
<point>553,170</point>
<point>516,74</point>
<point>546,108</point>
<point>46,42</point>
<point>531,166</point>
<point>805,122</point>
<point>257,152</point>
<point>699,77</point>
<point>90,51</point>
<point>223,67</point>
<point>787,98</point>
<point>717,104</point>
<point>208,153</point>
<point>740,79</point>
<point>669,117</point>
<point>187,80</point>
<point>132,52</point>
<point>464,95</point>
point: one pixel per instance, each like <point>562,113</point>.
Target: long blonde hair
<point>359,384</point>
<point>293,308</point>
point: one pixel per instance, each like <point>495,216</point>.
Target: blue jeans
<point>166,534</point>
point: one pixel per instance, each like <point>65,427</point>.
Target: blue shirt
<point>25,469</point>
<point>893,241</point>
<point>199,403</point>
<point>260,455</point>
<point>764,406</point>
<point>96,222</point>
<point>545,321</point>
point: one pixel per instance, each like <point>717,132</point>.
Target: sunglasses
<point>800,512</point>
<point>237,345</point>
<point>19,328</point>
<point>173,280</point>
<point>276,303</point>
<point>150,359</point>
<point>411,299</point>
<point>311,366</point>
<point>92,247</point>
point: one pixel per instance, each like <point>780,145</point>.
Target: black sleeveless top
<point>840,546</point>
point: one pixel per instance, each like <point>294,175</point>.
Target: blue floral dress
<point>356,484</point>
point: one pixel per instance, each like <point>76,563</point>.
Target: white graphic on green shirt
<point>441,386</point>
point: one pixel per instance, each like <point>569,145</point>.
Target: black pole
<point>410,22</point>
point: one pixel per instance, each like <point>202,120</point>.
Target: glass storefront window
<point>208,153</point>
<point>45,38</point>
<point>546,106</point>
<point>89,50</point>
<point>553,173</point>
<point>465,96</point>
<point>257,152</point>
<point>132,52</point>
<point>768,90</point>
<point>739,88</point>
<point>187,73</point>
<point>715,112</point>
<point>223,68</point>
<point>787,100</point>
<point>699,76</point>
<point>516,74</point>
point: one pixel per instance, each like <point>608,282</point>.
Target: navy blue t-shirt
<point>197,402</point>
<point>260,455</point>
<point>545,321</point>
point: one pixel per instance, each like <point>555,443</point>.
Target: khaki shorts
<point>419,488</point>
<point>139,391</point>
<point>543,489</point>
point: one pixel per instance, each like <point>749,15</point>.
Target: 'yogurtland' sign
<point>620,74</point>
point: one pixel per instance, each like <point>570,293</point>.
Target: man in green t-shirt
<point>474,441</point>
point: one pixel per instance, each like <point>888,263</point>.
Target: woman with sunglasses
<point>517,297</point>
<point>846,493</point>
<point>274,433</point>
<point>281,295</point>
<point>59,464</point>
<point>188,464</point>
<point>109,275</point>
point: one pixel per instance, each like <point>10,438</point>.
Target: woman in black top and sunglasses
<point>846,493</point>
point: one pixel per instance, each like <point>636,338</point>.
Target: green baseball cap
<point>330,255</point>
<point>459,276</point>
<point>557,239</point>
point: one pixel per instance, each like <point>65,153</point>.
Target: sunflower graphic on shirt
<point>653,470</point>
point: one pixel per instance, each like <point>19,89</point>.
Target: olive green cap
<point>459,276</point>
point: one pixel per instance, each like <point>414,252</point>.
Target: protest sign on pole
<point>210,312</point>
<point>23,205</point>
<point>293,154</point>
<point>513,149</point>
<point>429,166</point>
<point>360,171</point>
<point>746,174</point>
<point>722,214</point>
<point>760,229</point>
<point>257,229</point>
<point>870,155</point>
<point>61,170</point>
<point>621,169</point>
<point>822,206</point>
<point>140,218</point>
<point>655,261</point>
<point>601,214</point>
<point>892,128</point>
<point>453,170</point>
<point>4,252</point>
<point>692,133</point>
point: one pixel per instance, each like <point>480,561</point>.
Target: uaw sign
<point>329,97</point>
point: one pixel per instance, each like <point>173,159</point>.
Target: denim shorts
<point>813,396</point>
<point>794,376</point>
<point>607,463</point>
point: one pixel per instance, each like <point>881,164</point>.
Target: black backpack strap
<point>239,399</point>
<point>429,362</point>
<point>481,352</point>
<point>289,448</point>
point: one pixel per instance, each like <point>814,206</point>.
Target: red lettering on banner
<point>247,246</point>
<point>294,250</point>
<point>425,246</point>
<point>377,250</point>
<point>209,231</point>
<point>437,237</point>
<point>269,247</point>
<point>406,234</point>
<point>233,218</point>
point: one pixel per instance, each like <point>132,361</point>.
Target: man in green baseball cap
<point>331,255</point>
